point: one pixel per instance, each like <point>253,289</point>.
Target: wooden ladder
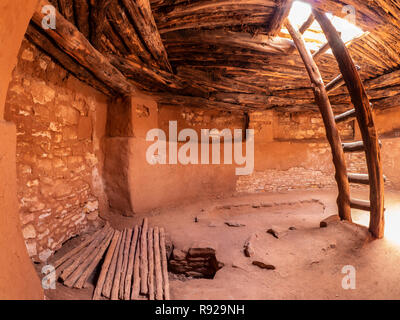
<point>362,112</point>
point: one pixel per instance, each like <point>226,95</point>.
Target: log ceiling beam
<point>167,99</point>
<point>141,14</point>
<point>82,17</point>
<point>213,14</point>
<point>35,36</point>
<point>148,77</point>
<point>68,38</point>
<point>216,82</point>
<point>122,24</point>
<point>244,70</point>
<point>244,40</point>
<point>66,8</point>
<point>281,13</point>
<point>98,20</point>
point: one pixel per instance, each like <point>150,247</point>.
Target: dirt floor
<point>308,259</point>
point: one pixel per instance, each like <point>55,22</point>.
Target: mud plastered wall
<point>291,151</point>
<point>60,123</point>
<point>133,184</point>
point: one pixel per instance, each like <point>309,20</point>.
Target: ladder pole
<point>365,120</point>
<point>322,100</point>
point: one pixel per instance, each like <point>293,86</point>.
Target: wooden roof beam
<point>141,14</point>
<point>167,99</point>
<point>71,41</point>
<point>281,13</point>
<point>153,79</point>
<point>124,27</point>
<point>98,20</point>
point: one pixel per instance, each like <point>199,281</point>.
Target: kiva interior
<point>199,149</point>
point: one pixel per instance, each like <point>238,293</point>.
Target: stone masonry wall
<point>59,124</point>
<point>304,126</point>
<point>291,151</point>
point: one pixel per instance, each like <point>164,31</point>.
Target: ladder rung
<point>345,116</point>
<point>353,146</point>
<point>307,24</point>
<point>337,82</point>
<point>356,146</point>
<point>360,204</point>
<point>321,51</point>
<point>360,178</point>
<point>303,29</point>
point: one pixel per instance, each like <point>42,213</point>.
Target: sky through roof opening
<point>314,37</point>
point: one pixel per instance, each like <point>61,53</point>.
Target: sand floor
<point>308,259</point>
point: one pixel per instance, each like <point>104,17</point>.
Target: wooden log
<point>125,29</point>
<point>385,80</point>
<point>78,248</point>
<point>365,121</point>
<point>117,276</point>
<point>141,14</point>
<point>116,41</point>
<point>150,254</point>
<point>144,264</point>
<point>83,254</point>
<point>361,178</point>
<point>258,99</point>
<point>213,14</point>
<point>258,43</point>
<point>317,54</point>
<point>156,78</point>
<point>167,99</point>
<point>45,44</point>
<point>337,82</point>
<point>81,9</point>
<point>281,13</point>
<point>304,27</point>
<point>157,265</point>
<point>350,114</point>
<point>105,266</point>
<point>127,247</point>
<point>322,100</point>
<point>136,271</point>
<point>72,278</point>
<point>63,266</point>
<point>67,9</point>
<point>164,265</point>
<point>106,291</point>
<point>69,39</point>
<point>357,146</point>
<point>98,255</point>
<point>98,20</point>
<point>358,178</point>
<point>217,82</point>
<point>360,204</point>
<point>181,10</point>
<point>129,270</point>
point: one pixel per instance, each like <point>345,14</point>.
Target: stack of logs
<point>134,266</point>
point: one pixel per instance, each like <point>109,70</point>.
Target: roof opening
<point>314,37</point>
